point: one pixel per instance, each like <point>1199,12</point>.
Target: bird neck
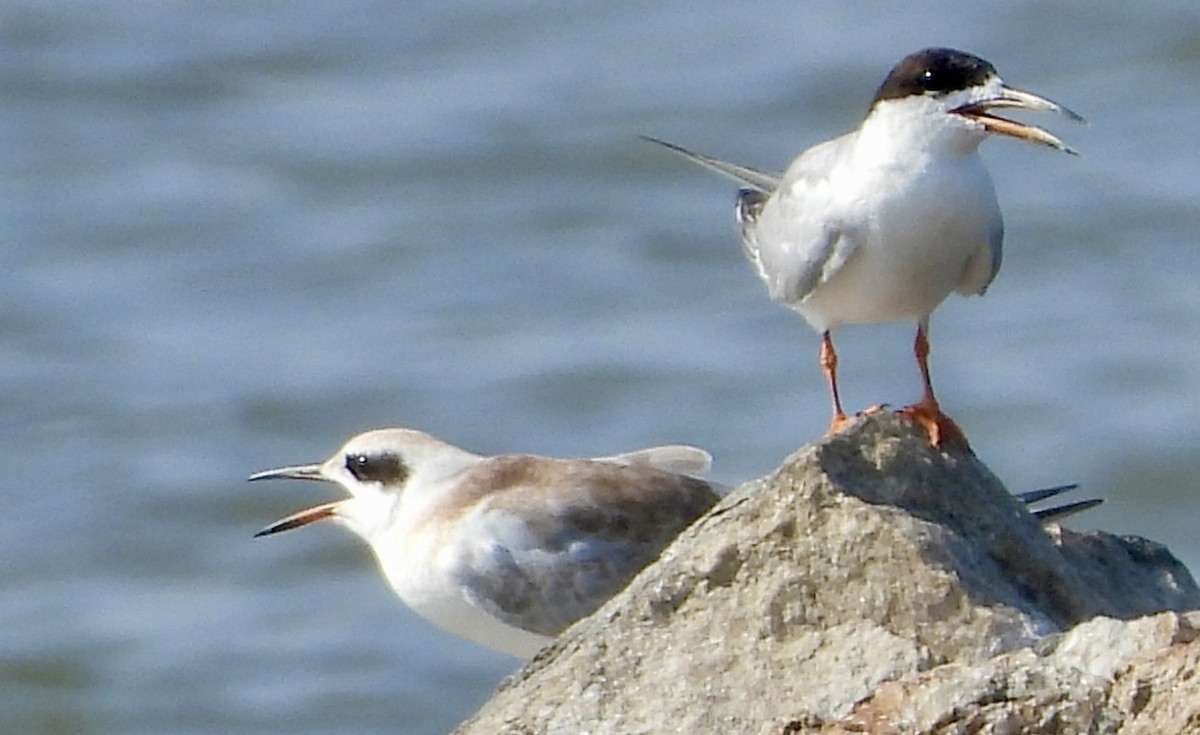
<point>913,130</point>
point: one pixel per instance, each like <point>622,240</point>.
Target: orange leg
<point>829,367</point>
<point>926,412</point>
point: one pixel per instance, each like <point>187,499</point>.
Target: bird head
<point>955,94</point>
<point>375,468</point>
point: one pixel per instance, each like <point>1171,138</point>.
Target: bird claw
<point>837,424</point>
<point>938,427</point>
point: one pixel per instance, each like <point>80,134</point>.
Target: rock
<point>872,582</point>
<point>1104,676</point>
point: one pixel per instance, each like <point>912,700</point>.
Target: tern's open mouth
<point>981,114</point>
<point>1003,126</point>
<point>306,516</point>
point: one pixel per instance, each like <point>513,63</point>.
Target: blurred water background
<point>237,233</point>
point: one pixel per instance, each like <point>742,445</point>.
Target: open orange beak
<point>980,112</point>
<point>304,517</point>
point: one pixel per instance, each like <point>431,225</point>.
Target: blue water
<point>237,233</point>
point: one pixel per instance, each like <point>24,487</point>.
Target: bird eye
<point>938,83</point>
<point>383,468</point>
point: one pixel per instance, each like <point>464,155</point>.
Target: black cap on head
<point>934,70</point>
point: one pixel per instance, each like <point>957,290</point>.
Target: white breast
<point>416,566</point>
<point>922,233</point>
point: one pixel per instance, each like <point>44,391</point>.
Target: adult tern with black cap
<point>883,223</point>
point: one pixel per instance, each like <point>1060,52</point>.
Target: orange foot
<point>837,424</point>
<point>940,428</point>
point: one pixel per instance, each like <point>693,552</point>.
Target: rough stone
<point>873,584</point>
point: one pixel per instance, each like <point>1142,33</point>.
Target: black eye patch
<point>386,468</point>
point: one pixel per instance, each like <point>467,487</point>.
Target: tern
<point>505,551</point>
<point>508,551</point>
<point>883,223</point>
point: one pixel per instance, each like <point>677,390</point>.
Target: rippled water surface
<point>237,233</point>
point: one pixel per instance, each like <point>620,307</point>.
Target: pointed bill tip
<point>302,518</point>
<point>1072,115</point>
<point>1013,97</point>
<point>1020,131</point>
<point>1068,113</point>
<point>294,472</point>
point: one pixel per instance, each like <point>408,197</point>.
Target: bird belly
<point>417,574</point>
<point>916,246</point>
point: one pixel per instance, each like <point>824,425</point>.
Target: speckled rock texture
<point>875,584</point>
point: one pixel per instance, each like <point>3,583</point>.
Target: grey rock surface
<point>869,563</point>
<point>1103,676</point>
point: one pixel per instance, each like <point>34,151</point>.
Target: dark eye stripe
<point>384,468</point>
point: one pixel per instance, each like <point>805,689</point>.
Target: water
<point>236,234</point>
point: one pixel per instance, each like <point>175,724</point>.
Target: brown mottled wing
<point>561,537</point>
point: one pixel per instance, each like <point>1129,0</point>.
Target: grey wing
<point>1034,496</point>
<point>543,572</point>
<point>1059,512</point>
<point>529,589</point>
<point>995,251</point>
<point>796,237</point>
<point>746,211</point>
<point>981,270</point>
<point>785,228</point>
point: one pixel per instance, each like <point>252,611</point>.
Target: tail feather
<point>753,178</point>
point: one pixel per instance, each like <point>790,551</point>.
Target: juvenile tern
<point>506,551</point>
<point>882,223</point>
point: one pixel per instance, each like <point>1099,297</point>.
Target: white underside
<point>904,275</point>
<point>417,576</point>
<point>922,241</point>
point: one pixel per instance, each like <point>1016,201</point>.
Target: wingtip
<point>1033,496</point>
<point>1056,512</point>
<point>1060,512</point>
